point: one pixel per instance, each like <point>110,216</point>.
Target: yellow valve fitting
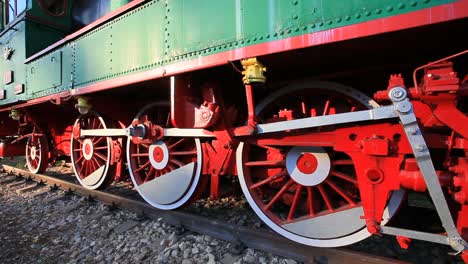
<point>16,114</point>
<point>83,106</point>
<point>253,71</point>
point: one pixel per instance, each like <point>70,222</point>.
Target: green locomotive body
<point>156,34</point>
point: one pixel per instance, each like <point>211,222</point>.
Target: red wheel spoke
<point>139,155</point>
<point>168,120</point>
<point>89,168</point>
<point>176,162</point>
<point>278,195</point>
<point>269,163</point>
<point>184,153</point>
<point>99,139</point>
<point>343,176</point>
<point>83,165</point>
<point>148,175</point>
<point>340,192</point>
<point>92,166</point>
<point>310,201</point>
<point>142,167</point>
<point>77,150</point>
<point>268,180</point>
<point>343,162</point>
<point>170,167</point>
<point>326,107</point>
<point>96,161</point>
<point>176,143</point>
<point>79,159</point>
<point>100,148</point>
<point>297,196</point>
<point>99,155</point>
<point>325,198</point>
<point>83,168</point>
<point>93,124</point>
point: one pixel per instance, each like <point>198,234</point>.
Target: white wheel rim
<point>100,173</point>
<point>31,155</point>
<point>146,193</point>
<point>358,235</point>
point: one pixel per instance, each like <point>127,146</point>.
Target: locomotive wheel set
<point>151,91</point>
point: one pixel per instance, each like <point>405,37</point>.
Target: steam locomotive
<point>327,114</point>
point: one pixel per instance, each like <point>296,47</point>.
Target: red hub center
<point>87,149</point>
<point>158,154</point>
<point>307,163</point>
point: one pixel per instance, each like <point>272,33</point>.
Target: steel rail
<point>256,239</point>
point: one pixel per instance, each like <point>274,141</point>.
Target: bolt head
<point>397,94</point>
<point>457,181</point>
<point>404,107</point>
<point>412,131</point>
<point>420,148</point>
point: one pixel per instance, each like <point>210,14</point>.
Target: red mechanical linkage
<point>194,107</point>
<point>434,102</point>
<point>411,178</point>
<point>153,132</point>
<point>461,180</point>
<point>11,150</point>
<point>377,157</point>
<point>394,81</point>
<point>439,90</point>
<point>404,242</point>
<point>76,131</point>
<point>61,140</point>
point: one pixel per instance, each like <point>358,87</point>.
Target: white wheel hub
<point>159,155</point>
<point>33,152</point>
<point>308,166</point>
<point>88,149</point>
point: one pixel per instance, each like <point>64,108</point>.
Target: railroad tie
<point>28,188</point>
<point>125,226</point>
<point>92,217</point>
<point>8,180</point>
<point>55,198</point>
<point>4,175</point>
<point>72,207</point>
<point>41,193</point>
<point>15,184</point>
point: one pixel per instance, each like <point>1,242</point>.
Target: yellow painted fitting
<point>83,106</point>
<point>15,114</point>
<point>253,71</point>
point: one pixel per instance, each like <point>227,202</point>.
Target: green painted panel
<point>138,41</point>
<point>262,18</point>
<point>45,73</point>
<point>46,76</point>
<point>14,40</point>
<point>93,56</point>
<point>197,25</point>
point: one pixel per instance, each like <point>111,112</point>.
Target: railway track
<point>256,239</point>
